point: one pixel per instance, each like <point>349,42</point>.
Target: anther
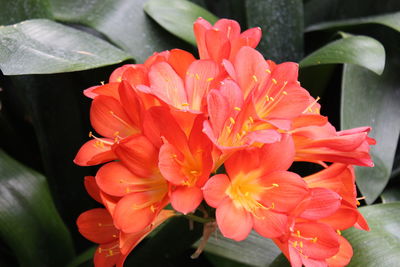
<point>185,104</point>
<point>194,172</point>
<point>275,185</point>
<point>274,81</point>
<point>255,78</point>
<point>284,92</point>
<point>301,244</point>
<point>197,76</point>
<point>251,119</point>
<point>210,79</point>
<point>268,70</point>
<point>338,232</point>
<point>314,240</point>
<point>232,120</point>
<point>237,108</point>
<point>102,82</point>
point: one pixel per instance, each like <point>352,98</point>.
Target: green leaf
<point>86,256</point>
<point>254,251</point>
<point>325,10</point>
<point>178,16</point>
<point>389,20</point>
<point>391,194</point>
<point>369,99</point>
<point>42,46</point>
<point>18,10</point>
<point>29,222</point>
<point>359,50</point>
<point>282,25</point>
<point>381,246</point>
<point>121,21</point>
<point>280,261</point>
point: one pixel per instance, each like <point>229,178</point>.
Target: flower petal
<point>92,188</point>
<point>233,221</point>
<point>214,189</point>
<point>95,151</point>
<point>343,257</point>
<point>97,226</point>
<point>323,203</point>
<point>270,224</point>
<point>186,199</point>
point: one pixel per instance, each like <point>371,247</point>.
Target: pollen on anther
<point>338,232</point>
<point>237,108</point>
<point>251,119</point>
<point>275,185</point>
<point>90,134</point>
<point>232,120</point>
<point>284,92</point>
<point>210,79</point>
<point>268,70</point>
<point>274,81</point>
<point>194,172</point>
<point>301,244</point>
<point>298,233</point>
<point>152,208</point>
<point>314,240</point>
<point>255,78</point>
<point>197,76</point>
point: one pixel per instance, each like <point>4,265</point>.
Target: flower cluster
<point>222,130</point>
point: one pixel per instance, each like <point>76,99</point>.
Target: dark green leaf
<point>280,261</point>
<point>389,20</point>
<point>83,258</point>
<point>359,50</point>
<point>391,194</point>
<point>381,246</point>
<point>43,46</point>
<point>18,10</point>
<point>29,221</point>
<point>369,99</point>
<point>254,251</point>
<point>325,10</point>
<point>178,16</point>
<point>169,244</point>
<point>282,26</point>
<point>121,21</point>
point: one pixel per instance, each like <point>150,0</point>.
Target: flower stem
<point>198,219</point>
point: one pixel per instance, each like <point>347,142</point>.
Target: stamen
<point>275,185</point>
<point>197,76</point>
<point>268,70</point>
<point>98,140</point>
<point>251,119</point>
<point>255,78</point>
<point>285,93</point>
<point>185,104</point>
<point>210,79</point>
<point>338,232</point>
<point>309,108</point>
<point>237,108</point>
<point>102,82</point>
<point>301,244</point>
<point>274,81</point>
<point>232,120</point>
<point>118,118</point>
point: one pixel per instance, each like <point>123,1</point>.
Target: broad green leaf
<point>381,246</point>
<point>43,46</point>
<point>29,222</point>
<point>18,10</point>
<point>358,50</point>
<point>325,10</point>
<point>389,20</point>
<point>369,99</point>
<point>254,251</point>
<point>391,194</point>
<point>178,16</point>
<point>123,22</point>
<point>282,26</point>
<point>85,257</point>
<point>280,261</point>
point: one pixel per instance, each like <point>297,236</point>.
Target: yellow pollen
<point>301,244</point>
<point>238,136</point>
<point>251,119</point>
<point>275,185</point>
<point>228,129</point>
<point>152,208</point>
<point>116,133</point>
<point>267,98</point>
<point>274,81</point>
<point>295,244</point>
<point>232,120</point>
<point>185,104</point>
<point>298,233</point>
<point>255,78</point>
<point>338,232</point>
<point>197,76</point>
<point>269,71</point>
<point>314,240</point>
<point>90,134</point>
<point>210,79</point>
<point>309,108</point>
<point>247,194</point>
<point>272,99</point>
<point>284,92</point>
<point>237,108</point>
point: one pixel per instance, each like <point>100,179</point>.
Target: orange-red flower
<point>257,191</point>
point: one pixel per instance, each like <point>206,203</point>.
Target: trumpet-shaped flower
<point>257,191</point>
